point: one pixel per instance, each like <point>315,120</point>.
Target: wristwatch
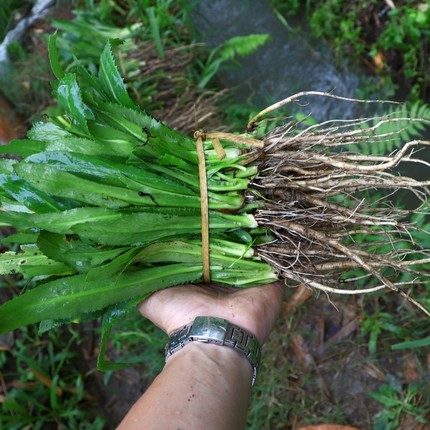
<point>217,331</point>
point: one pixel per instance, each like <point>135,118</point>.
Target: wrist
<point>249,326</point>
<point>212,363</point>
<point>220,333</point>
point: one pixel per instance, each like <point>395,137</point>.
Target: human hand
<point>254,309</point>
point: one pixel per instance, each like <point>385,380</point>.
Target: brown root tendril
<point>317,201</point>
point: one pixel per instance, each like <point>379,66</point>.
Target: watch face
<point>209,329</point>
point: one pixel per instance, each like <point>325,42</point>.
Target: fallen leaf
<point>300,296</point>
<point>343,333</point>
<point>411,372</point>
<point>373,371</point>
<point>304,358</point>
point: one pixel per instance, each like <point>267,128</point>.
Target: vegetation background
<point>361,361</point>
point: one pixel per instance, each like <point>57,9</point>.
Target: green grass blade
<point>155,30</point>
<point>412,344</point>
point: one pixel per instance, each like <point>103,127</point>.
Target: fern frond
<point>227,51</point>
<point>397,126</point>
<point>242,45</point>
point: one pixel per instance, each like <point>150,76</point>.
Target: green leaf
<point>412,344</point>
<point>23,148</point>
<point>21,238</point>
<point>62,184</point>
<point>242,45</point>
<point>386,396</point>
<point>114,267</point>
<point>79,145</point>
<point>7,166</point>
<point>145,227</point>
<point>72,296</point>
<point>113,138</point>
<point>114,114</point>
<point>33,199</point>
<point>62,222</point>
<point>111,79</point>
<point>47,132</point>
<point>30,262</point>
<point>91,87</point>
<point>70,99</point>
<point>239,45</point>
<point>73,252</point>
<point>53,57</point>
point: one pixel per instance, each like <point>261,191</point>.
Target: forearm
<point>201,386</point>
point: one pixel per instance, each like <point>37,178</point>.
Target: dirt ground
<point>332,371</point>
<point>316,368</point>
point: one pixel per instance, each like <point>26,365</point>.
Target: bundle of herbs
<point>107,204</point>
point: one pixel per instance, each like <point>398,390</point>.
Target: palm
<point>254,309</point>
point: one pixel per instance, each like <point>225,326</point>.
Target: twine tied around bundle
<point>215,137</point>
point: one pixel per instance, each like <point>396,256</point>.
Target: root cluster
<point>335,213</point>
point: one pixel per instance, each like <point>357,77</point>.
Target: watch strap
<point>217,331</point>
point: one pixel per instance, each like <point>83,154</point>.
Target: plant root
<point>333,213</point>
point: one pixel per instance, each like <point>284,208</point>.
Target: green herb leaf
<point>70,99</point>
<point>30,262</point>
<point>111,79</point>
<point>53,57</point>
<point>72,296</point>
<point>23,148</point>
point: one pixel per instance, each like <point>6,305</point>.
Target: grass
<point>47,380</point>
<point>42,385</point>
<point>50,384</point>
<point>345,384</point>
<point>286,393</point>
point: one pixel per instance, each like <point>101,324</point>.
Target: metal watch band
<point>219,332</point>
